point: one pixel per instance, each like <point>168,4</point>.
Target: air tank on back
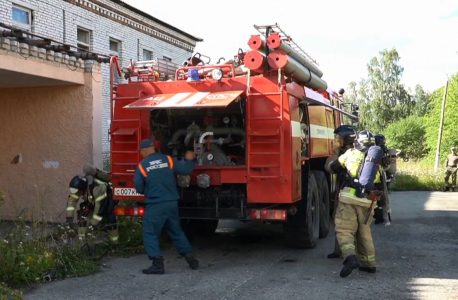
<point>393,158</point>
<point>96,173</point>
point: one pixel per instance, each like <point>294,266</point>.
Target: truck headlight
<point>217,74</point>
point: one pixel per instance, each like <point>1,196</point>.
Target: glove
<point>189,155</point>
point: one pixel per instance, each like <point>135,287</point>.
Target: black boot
<point>333,255</point>
<point>156,268</point>
<point>368,269</point>
<point>351,263</point>
<point>192,261</point>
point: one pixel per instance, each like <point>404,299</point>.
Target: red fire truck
<point>261,125</point>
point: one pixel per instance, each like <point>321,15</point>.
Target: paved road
<point>417,257</point>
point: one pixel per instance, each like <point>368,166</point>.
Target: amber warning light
<point>268,214</point>
<point>129,211</point>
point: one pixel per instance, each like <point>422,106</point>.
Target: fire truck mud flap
<point>303,228</point>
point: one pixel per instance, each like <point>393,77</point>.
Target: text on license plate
<point>126,192</point>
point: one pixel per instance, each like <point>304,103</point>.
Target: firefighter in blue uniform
<point>155,178</point>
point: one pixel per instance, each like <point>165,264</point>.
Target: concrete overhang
<point>24,66</point>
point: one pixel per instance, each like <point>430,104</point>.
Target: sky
<point>341,35</point>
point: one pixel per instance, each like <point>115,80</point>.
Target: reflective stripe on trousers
<point>368,258</point>
<point>97,218</point>
<point>101,197</point>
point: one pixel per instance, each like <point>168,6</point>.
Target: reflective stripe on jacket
<point>348,195</point>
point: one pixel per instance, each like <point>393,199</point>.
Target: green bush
<point>408,135</point>
<point>8,294</point>
<point>36,252</point>
<point>31,254</point>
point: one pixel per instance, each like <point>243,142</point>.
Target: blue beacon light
<point>193,75</point>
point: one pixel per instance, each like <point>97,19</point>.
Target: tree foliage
<point>382,98</point>
<point>408,134</point>
<point>421,101</point>
<point>409,119</point>
<point>450,129</point>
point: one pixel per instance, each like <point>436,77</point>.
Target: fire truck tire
<point>325,216</point>
<point>303,228</point>
<point>199,227</point>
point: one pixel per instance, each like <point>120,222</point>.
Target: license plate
<point>126,192</point>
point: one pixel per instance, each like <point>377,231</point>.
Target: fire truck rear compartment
<point>216,134</point>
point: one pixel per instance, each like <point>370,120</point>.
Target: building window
<point>115,47</point>
<point>115,50</point>
<point>166,58</point>
<point>22,17</point>
<point>147,55</point>
<point>84,39</point>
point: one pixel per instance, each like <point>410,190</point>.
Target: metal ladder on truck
<point>272,137</point>
<point>125,134</point>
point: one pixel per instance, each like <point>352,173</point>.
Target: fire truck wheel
<point>303,228</point>
<point>325,216</point>
<point>199,227</point>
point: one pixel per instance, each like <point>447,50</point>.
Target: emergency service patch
<point>157,164</point>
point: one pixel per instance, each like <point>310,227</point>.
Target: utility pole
<point>439,138</point>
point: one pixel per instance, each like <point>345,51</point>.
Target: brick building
<point>55,105</point>
<point>102,26</point>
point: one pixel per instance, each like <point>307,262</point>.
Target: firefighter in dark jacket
<point>97,203</point>
<point>345,138</point>
<point>155,178</point>
<point>382,210</point>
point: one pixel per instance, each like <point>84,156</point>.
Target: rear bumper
<point>244,214</point>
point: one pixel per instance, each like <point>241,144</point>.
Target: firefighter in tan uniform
<point>97,203</point>
<point>345,138</point>
<point>451,165</point>
<point>354,237</point>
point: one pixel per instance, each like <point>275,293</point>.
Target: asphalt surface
<point>417,259</point>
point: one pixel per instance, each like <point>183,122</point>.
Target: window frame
<point>166,58</point>
<point>148,51</point>
<point>81,44</point>
<point>118,42</point>
<point>20,25</point>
